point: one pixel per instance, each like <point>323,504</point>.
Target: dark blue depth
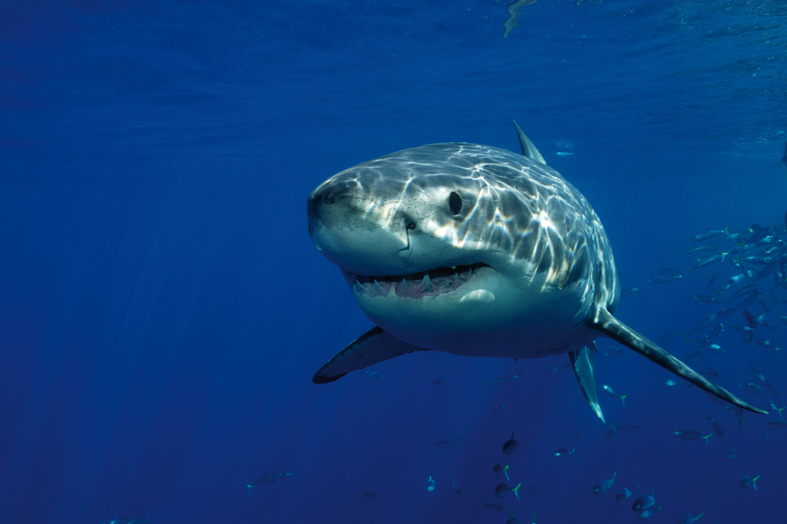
<point>162,308</point>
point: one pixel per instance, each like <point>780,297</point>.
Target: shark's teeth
<point>443,284</point>
<point>379,289</point>
<point>426,287</point>
<point>430,283</point>
<point>407,288</point>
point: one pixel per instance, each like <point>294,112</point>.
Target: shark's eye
<point>410,226</point>
<point>455,203</point>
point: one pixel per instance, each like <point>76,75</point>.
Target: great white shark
<point>475,251</point>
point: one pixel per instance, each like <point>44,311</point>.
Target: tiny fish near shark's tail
<point>616,330</point>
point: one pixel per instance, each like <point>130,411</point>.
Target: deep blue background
<point>162,308</point>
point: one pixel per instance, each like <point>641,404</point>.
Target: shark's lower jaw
<point>431,283</point>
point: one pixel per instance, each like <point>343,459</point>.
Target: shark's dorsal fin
<point>370,348</point>
<point>582,362</point>
<point>620,332</point>
<point>528,149</point>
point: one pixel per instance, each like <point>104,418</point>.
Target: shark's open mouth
<point>429,283</point>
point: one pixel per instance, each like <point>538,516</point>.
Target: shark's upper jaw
<point>430,283</point>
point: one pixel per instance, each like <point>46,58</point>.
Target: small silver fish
<point>760,376</point>
<point>455,486</point>
<point>708,261</point>
<point>665,279</point>
<point>751,387</point>
<point>716,426</point>
<point>611,392</point>
<point>270,478</point>
<point>747,481</point>
<point>644,502</point>
<point>666,337</point>
<point>739,415</point>
<point>510,445</point>
<point>624,493</point>
<point>704,323</point>
<point>707,299</point>
<point>628,428</point>
<point>448,442</point>
<point>708,372</point>
<point>688,434</point>
<point>647,513</point>
<point>689,519</point>
<point>501,490</point>
<point>764,342</point>
<point>709,234</point>
<point>501,471</point>
<point>503,380</point>
<point>494,505</point>
<point>708,247</point>
<point>604,485</point>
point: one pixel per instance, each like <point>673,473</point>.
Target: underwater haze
<point>163,308</point>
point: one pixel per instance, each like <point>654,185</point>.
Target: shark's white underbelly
<point>487,316</point>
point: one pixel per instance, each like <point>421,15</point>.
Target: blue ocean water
<point>163,309</point>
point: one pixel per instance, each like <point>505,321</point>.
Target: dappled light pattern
<point>512,209</point>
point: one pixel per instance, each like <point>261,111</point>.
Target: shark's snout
<point>321,206</point>
<point>355,232</point>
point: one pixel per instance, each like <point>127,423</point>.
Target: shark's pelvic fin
<point>528,149</point>
<point>620,332</point>
<point>370,348</point>
<point>582,362</point>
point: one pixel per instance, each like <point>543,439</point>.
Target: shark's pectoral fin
<point>370,348</point>
<point>617,330</point>
<point>582,362</point>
